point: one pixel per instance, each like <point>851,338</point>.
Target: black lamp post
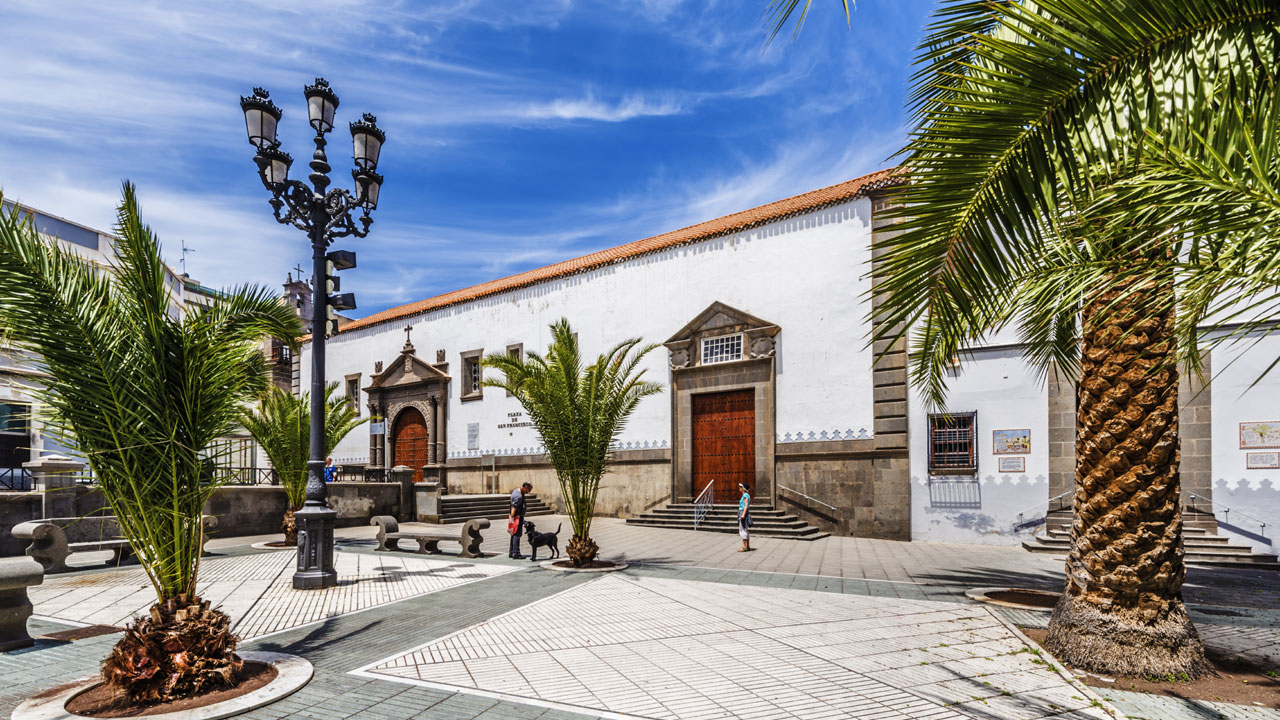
<point>324,214</point>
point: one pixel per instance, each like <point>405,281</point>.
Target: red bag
<point>513,525</point>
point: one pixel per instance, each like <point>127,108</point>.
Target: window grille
<point>473,375</point>
<point>353,393</point>
<point>725,348</point>
<point>14,418</point>
<point>953,443</point>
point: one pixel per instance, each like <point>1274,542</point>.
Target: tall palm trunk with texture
<point>1125,568</point>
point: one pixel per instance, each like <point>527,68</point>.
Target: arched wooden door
<point>409,441</point>
<point>724,448</point>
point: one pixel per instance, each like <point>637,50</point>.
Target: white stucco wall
<point>1006,394</point>
<point>1253,495</point>
<point>805,274</point>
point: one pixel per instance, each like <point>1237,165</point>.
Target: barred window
<point>725,348</point>
<point>953,444</point>
<point>472,375</point>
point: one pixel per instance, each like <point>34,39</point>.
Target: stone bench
<point>390,535</point>
<point>16,575</point>
<point>53,540</point>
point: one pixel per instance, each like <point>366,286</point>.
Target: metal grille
<point>952,443</point>
<point>725,348</point>
<point>15,479</point>
<point>473,376</point>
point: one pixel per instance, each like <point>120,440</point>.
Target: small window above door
<point>724,348</point>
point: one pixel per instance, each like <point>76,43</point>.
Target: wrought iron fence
<point>245,476</point>
<point>18,479</point>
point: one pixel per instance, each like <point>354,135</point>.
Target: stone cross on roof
<point>408,346</point>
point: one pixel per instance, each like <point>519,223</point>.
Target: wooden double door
<point>724,447</point>
<point>409,441</point>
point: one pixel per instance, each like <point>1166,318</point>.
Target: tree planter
<point>292,673</point>
<point>553,565</point>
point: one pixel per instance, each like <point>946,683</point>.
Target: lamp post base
<point>315,548</point>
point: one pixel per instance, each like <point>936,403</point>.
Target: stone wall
<point>638,480</point>
<point>241,510</point>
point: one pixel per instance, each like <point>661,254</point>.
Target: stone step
<point>768,522</point>
<point>806,532</point>
<point>1189,539</point>
<point>725,522</point>
<point>1196,554</point>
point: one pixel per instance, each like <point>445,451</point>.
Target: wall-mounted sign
<point>378,428</point>
<point>514,420</point>
<point>1262,460</point>
<point>473,436</point>
<point>1260,435</point>
<point>1012,464</point>
<point>1011,442</point>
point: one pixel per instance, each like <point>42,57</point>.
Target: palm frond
<point>139,393</point>
<point>1024,114</point>
<point>578,412</point>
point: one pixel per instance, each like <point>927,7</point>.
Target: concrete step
<point>492,506</point>
<point>1188,539</point>
<point>803,533</point>
<point>758,525</point>
<point>1199,551</point>
<point>768,522</point>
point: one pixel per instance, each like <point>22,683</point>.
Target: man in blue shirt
<point>330,472</point>
<point>517,515</point>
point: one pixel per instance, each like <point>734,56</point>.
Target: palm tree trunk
<point>582,550</point>
<point>180,649</point>
<point>289,526</point>
<point>1122,610</point>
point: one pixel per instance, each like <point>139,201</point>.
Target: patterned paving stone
<point>659,648</point>
<point>257,590</point>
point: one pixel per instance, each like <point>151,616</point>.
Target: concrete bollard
<point>16,575</point>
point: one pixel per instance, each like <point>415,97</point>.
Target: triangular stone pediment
<point>719,316</point>
<point>406,370</point>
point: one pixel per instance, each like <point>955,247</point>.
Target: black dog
<point>537,540</point>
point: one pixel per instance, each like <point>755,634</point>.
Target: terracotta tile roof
<point>805,202</point>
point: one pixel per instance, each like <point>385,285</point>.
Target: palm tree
<point>142,391</point>
<point>282,424</point>
<point>1048,192</point>
<point>578,412</point>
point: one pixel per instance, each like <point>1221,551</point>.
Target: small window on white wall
<point>725,348</point>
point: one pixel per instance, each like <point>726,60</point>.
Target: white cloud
<point>589,108</point>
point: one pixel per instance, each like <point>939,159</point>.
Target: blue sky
<point>519,133</point>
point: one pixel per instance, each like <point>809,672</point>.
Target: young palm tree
<point>282,426</point>
<point>578,412</point>
<point>141,393</point>
<point>1048,191</point>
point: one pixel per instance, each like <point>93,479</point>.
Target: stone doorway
<point>724,443</point>
<point>409,441</point>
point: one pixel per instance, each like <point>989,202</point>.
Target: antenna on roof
<point>185,250</point>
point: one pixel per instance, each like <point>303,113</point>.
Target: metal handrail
<point>702,504</point>
<point>1046,503</point>
<point>806,497</point>
<point>1227,512</point>
<point>15,479</point>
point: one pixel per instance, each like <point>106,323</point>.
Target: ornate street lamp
<point>325,215</point>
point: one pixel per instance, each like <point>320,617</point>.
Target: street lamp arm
<point>297,197</point>
<point>339,204</point>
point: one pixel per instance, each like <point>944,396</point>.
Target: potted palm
<point>578,412</point>
<point>282,426</point>
<point>142,390</point>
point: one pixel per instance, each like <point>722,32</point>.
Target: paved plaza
<point>837,628</point>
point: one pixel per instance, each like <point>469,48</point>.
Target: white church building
<point>764,320</point>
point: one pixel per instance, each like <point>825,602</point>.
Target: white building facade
<point>763,318</point>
